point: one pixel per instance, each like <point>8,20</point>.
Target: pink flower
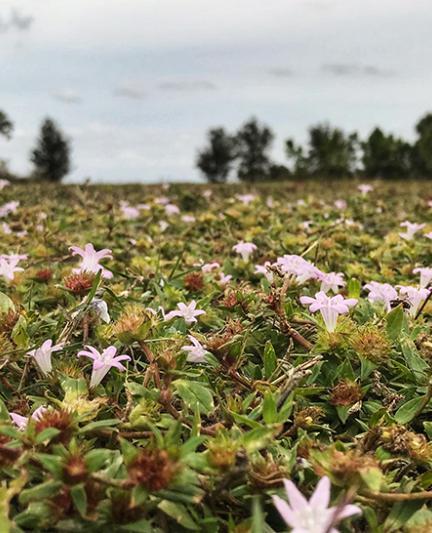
<point>425,275</point>
<point>42,355</point>
<point>429,235</point>
<point>3,184</point>
<point>208,267</point>
<point>224,279</point>
<point>330,307</point>
<point>295,265</point>
<point>8,265</point>
<point>186,311</point>
<point>365,188</point>
<point>331,281</point>
<point>22,421</point>
<point>128,211</point>
<point>340,204</point>
<point>103,362</point>
<point>9,207</point>
<point>415,297</point>
<point>411,229</point>
<point>6,229</point>
<point>246,199</point>
<point>171,209</point>
<point>265,271</point>
<point>245,249</point>
<point>91,258</point>
<point>315,515</point>
<point>382,293</point>
<point>188,219</point>
<point>195,350</point>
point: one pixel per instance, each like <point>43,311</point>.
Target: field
<point>183,384</point>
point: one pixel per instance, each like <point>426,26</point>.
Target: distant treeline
<point>51,155</point>
<point>329,153</point>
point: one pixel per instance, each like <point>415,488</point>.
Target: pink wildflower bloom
<point>9,207</point>
<point>315,515</point>
<point>22,421</point>
<point>9,265</point>
<point>207,193</point>
<point>171,209</point>
<point>196,351</point>
<point>103,362</point>
<point>42,355</point>
<point>245,249</point>
<point>411,229</point>
<point>208,267</point>
<point>265,271</point>
<point>128,211</point>
<point>162,200</point>
<point>246,199</point>
<point>3,184</point>
<point>188,312</point>
<point>295,265</point>
<point>365,188</point>
<point>429,235</point>
<point>330,307</point>
<point>91,258</point>
<point>6,229</point>
<point>224,279</point>
<point>382,293</point>
<point>340,204</point>
<point>331,281</point>
<point>415,297</point>
<point>425,275</point>
<point>188,219</point>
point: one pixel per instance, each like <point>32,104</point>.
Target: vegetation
<point>168,356</point>
<point>51,155</point>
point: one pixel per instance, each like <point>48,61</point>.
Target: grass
<point>172,444</point>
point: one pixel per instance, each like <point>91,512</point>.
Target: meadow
<point>216,358</point>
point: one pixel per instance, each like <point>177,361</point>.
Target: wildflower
<point>340,204</point>
<point>429,235</point>
<point>331,281</point>
<point>245,249</point>
<point>382,293</point>
<point>330,307</point>
<point>42,355</point>
<point>196,351</point>
<point>22,421</point>
<point>425,275</point>
<point>295,265</point>
<point>3,184</point>
<point>91,258</point>
<point>246,199</point>
<point>315,515</point>
<point>411,229</point>
<point>6,229</point>
<point>186,311</point>
<point>153,469</point>
<point>265,271</point>
<point>103,362</point>
<point>128,211</point>
<point>163,224</point>
<point>365,188</point>
<point>208,267</point>
<point>188,219</point>
<point>9,207</point>
<point>8,265</point>
<point>415,297</point>
<point>224,279</point>
<point>79,283</point>
<point>207,194</point>
<point>171,209</point>
<point>101,309</point>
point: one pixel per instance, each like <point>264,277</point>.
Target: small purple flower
<point>171,209</point>
<point>91,258</point>
<point>411,229</point>
<point>329,307</point>
<point>42,355</point>
<point>103,362</point>
<point>246,199</point>
<point>3,184</point>
<point>188,312</point>
<point>245,249</point>
<point>295,265</point>
<point>224,279</point>
<point>425,275</point>
<point>208,267</point>
<point>22,421</point>
<point>265,271</point>
<point>340,204</point>
<point>129,212</point>
<point>9,207</point>
<point>381,293</point>
<point>365,188</point>
<point>9,265</point>
<point>331,281</point>
<point>196,351</point>
<point>414,296</point>
<point>315,515</point>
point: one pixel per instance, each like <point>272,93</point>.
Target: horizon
<point>137,95</point>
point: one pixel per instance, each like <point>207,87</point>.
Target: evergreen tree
<point>254,142</point>
<point>215,161</point>
<point>51,156</point>
<point>386,156</point>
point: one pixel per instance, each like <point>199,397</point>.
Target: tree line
<point>51,154</point>
<point>328,153</point>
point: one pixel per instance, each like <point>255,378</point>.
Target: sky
<point>136,84</point>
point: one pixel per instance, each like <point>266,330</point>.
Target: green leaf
<point>407,411</point>
<point>193,393</point>
<point>354,288</point>
<point>395,321</point>
<point>269,410</point>
<point>79,497</point>
<point>43,491</point>
<point>412,357</point>
<point>179,513</point>
<point>270,360</point>
<point>108,422</point>
<point>46,435</point>
<point>258,520</point>
<point>6,304</point>
<point>373,477</point>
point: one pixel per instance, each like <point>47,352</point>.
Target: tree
<point>254,142</point>
<point>51,156</point>
<point>6,126</point>
<point>386,156</point>
<point>215,161</point>
<point>422,156</point>
<point>330,153</point>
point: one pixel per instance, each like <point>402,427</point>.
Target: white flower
<point>295,265</point>
<point>129,212</point>
<point>90,259</point>
<point>246,199</point>
<point>382,293</point>
<point>101,309</point>
<point>415,297</point>
<point>340,204</point>
<point>208,267</point>
<point>245,249</point>
<point>171,209</point>
<point>22,421</point>
<point>425,275</point>
<point>330,307</point>
<point>186,311</point>
<point>9,207</point>
<point>3,184</point>
<point>264,270</point>
<point>224,279</point>
<point>365,188</point>
<point>8,265</point>
<point>188,219</point>
<point>411,229</point>
<point>331,281</point>
<point>196,351</point>
<point>103,362</point>
<point>42,355</point>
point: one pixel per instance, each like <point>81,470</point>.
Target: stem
<point>398,496</point>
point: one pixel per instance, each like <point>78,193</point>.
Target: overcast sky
<point>136,83</point>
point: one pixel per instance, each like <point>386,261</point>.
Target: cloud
<point>16,21</point>
<point>353,69</point>
<point>131,90</point>
<point>187,86</point>
<point>281,72</point>
<point>67,96</point>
